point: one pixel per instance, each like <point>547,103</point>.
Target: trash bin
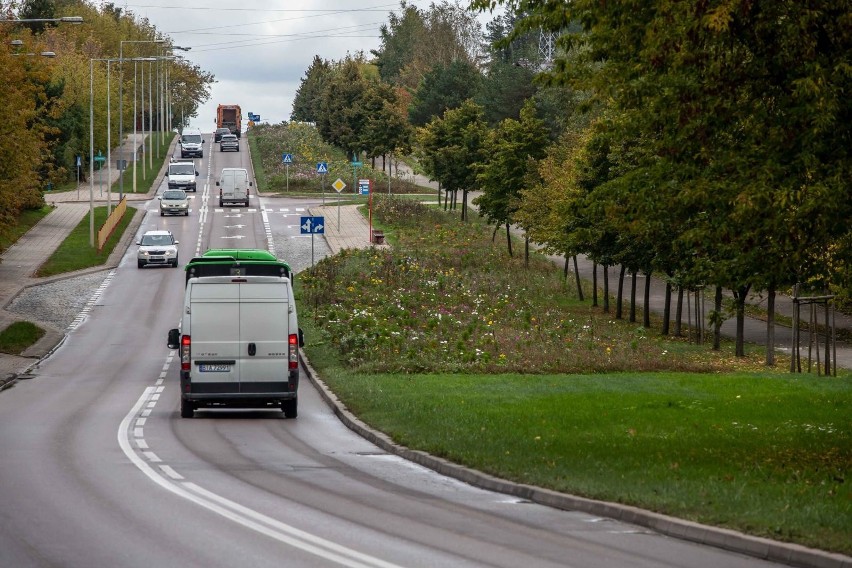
<point>378,237</point>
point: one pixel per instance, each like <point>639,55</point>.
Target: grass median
<point>452,347</point>
<point>76,253</point>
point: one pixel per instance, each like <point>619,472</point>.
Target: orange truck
<point>230,117</point>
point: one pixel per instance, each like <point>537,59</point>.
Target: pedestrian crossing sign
<point>322,167</point>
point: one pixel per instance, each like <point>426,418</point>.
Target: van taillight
<point>185,343</point>
<point>294,351</point>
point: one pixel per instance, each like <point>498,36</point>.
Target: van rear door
<point>215,317</point>
<point>264,330</point>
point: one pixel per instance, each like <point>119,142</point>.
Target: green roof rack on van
<point>237,262</point>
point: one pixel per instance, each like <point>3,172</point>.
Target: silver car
<point>229,142</point>
<point>157,247</point>
<point>174,202</point>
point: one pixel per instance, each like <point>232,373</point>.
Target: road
<point>98,469</point>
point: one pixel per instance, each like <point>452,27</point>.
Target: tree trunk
<point>606,289</point>
<point>526,251</point>
<point>717,324</point>
<point>678,311</point>
<point>494,234</point>
<point>509,240</point>
<point>633,297</point>
<point>577,278</point>
<point>667,308</point>
<point>565,269</point>
<point>770,329</point>
<point>464,205</point>
<point>646,309</point>
<point>740,297</point>
<point>620,299</point>
<point>594,285</point>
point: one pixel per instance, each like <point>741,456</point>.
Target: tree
<point>740,112</point>
<point>511,154</point>
<point>451,146</point>
<point>386,129</point>
<point>399,39</point>
<point>23,144</point>
<point>343,117</point>
<point>442,88</point>
<point>306,103</point>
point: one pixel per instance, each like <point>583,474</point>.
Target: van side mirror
<point>196,172</point>
<point>250,184</point>
<point>173,341</point>
<point>301,338</point>
<point>217,183</point>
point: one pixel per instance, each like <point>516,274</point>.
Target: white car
<point>158,248</point>
<point>174,202</point>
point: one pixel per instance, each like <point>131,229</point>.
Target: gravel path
<point>59,302</point>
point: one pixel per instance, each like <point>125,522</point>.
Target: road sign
<point>79,161</point>
<point>322,167</point>
<point>338,185</point>
<point>357,164</point>
<point>287,158</point>
<point>364,186</point>
<point>312,225</point>
<point>100,159</point>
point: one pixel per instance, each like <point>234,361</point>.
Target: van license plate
<point>206,368</point>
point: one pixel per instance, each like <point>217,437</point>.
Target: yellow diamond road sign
<point>338,185</point>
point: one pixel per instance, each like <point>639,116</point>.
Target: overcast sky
<point>259,50</point>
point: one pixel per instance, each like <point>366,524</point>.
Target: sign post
<point>322,170</point>
<point>312,226</point>
<point>79,161</point>
<point>355,165</point>
<point>100,159</point>
<point>364,187</point>
<point>287,158</point>
<point>338,186</point>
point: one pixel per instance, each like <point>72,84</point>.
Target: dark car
<point>217,136</point>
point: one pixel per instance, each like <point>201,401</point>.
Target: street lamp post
<point>121,107</point>
<point>92,145</point>
<point>150,139</point>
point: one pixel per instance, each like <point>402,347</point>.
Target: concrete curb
<point>726,539</point>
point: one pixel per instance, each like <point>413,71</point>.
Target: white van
<point>182,175</point>
<point>239,335</point>
<point>234,186</point>
<point>191,144</point>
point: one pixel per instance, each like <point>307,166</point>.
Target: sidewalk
<point>22,260</point>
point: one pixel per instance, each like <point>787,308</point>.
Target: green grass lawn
<point>26,221</point>
<point>75,252</point>
<point>18,336</point>
<point>452,347</point>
